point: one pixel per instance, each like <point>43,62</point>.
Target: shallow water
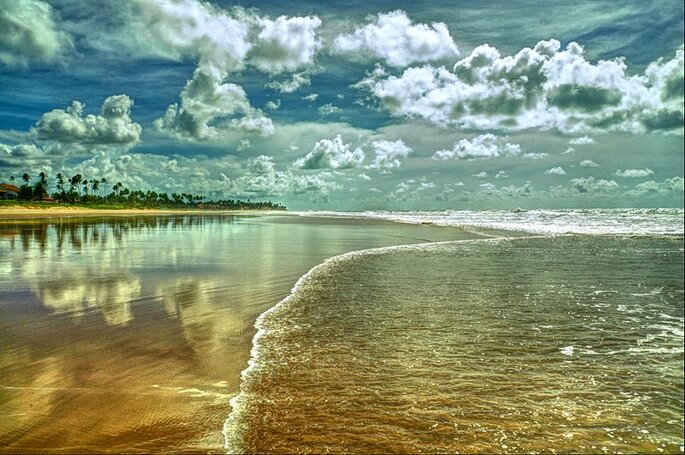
<point>562,344</point>
<point>130,333</point>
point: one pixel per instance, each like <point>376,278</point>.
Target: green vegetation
<point>92,193</point>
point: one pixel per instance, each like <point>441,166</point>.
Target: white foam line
<point>232,444</point>
<point>648,222</point>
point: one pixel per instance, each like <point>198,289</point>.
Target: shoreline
<point>230,430</point>
<point>174,313</point>
<point>18,212</point>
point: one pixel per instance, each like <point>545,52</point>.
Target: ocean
<point>404,332</point>
<point>569,339</point>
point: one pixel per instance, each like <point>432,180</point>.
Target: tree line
<point>94,191</point>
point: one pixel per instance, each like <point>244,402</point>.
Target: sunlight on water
<point>129,333</point>
<point>569,344</point>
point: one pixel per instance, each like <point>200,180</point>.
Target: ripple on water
<point>531,344</point>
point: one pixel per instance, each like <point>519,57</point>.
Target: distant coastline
<point>29,211</point>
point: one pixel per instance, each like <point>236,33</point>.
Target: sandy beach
<point>123,332</point>
<point>19,212</point>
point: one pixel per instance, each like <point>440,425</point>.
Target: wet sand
<point>128,334</point>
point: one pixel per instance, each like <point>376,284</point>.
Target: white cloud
<point>633,173</point>
<point>480,147</point>
<point>31,33</point>
<point>273,105</point>
<point>393,38</point>
<point>481,175</point>
<point>389,154</point>
<point>112,127</point>
<point>591,185</point>
<point>556,171</point>
<point>177,29</point>
<point>210,107</point>
<point>653,188</point>
<point>331,154</point>
<point>244,144</point>
<point>588,163</point>
<point>24,156</point>
<point>540,88</point>
<point>534,156</point>
<point>228,40</point>
<point>262,179</point>
<point>223,42</point>
<point>285,44</point>
<point>582,140</point>
<point>311,97</point>
<point>501,175</point>
<point>292,84</point>
<point>329,109</point>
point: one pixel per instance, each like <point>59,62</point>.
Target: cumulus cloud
<point>148,170</point>
<point>25,156</point>
<point>393,38</point>
<point>582,140</point>
<point>112,127</point>
<point>588,163</point>
<point>556,171</point>
<point>209,106</point>
<point>331,154</point>
<point>659,189</point>
<point>262,179</point>
<point>292,84</point>
<point>31,33</point>
<point>223,42</point>
<point>273,105</point>
<point>389,154</point>
<point>540,88</point>
<point>480,147</point>
<point>229,40</point>
<point>591,185</point>
<point>633,173</point>
<point>177,29</point>
<point>285,44</point>
<point>534,156</point>
<point>329,109</point>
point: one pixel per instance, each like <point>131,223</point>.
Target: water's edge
<point>231,429</point>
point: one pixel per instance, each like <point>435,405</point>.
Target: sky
<point>358,105</point>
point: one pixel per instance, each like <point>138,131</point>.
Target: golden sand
<point>15,212</point>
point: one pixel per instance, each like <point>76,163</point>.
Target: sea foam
<point>542,222</point>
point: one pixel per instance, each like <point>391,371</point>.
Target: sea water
<point>540,343</point>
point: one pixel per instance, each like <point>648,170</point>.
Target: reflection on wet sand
<point>129,334</point>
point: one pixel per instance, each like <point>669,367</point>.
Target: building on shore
<point>8,191</point>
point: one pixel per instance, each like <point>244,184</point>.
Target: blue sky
<point>361,105</point>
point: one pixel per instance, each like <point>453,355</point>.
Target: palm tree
<point>75,182</point>
<point>103,181</point>
<point>11,178</point>
<point>60,183</point>
<point>95,183</point>
<point>26,178</point>
<point>85,186</point>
